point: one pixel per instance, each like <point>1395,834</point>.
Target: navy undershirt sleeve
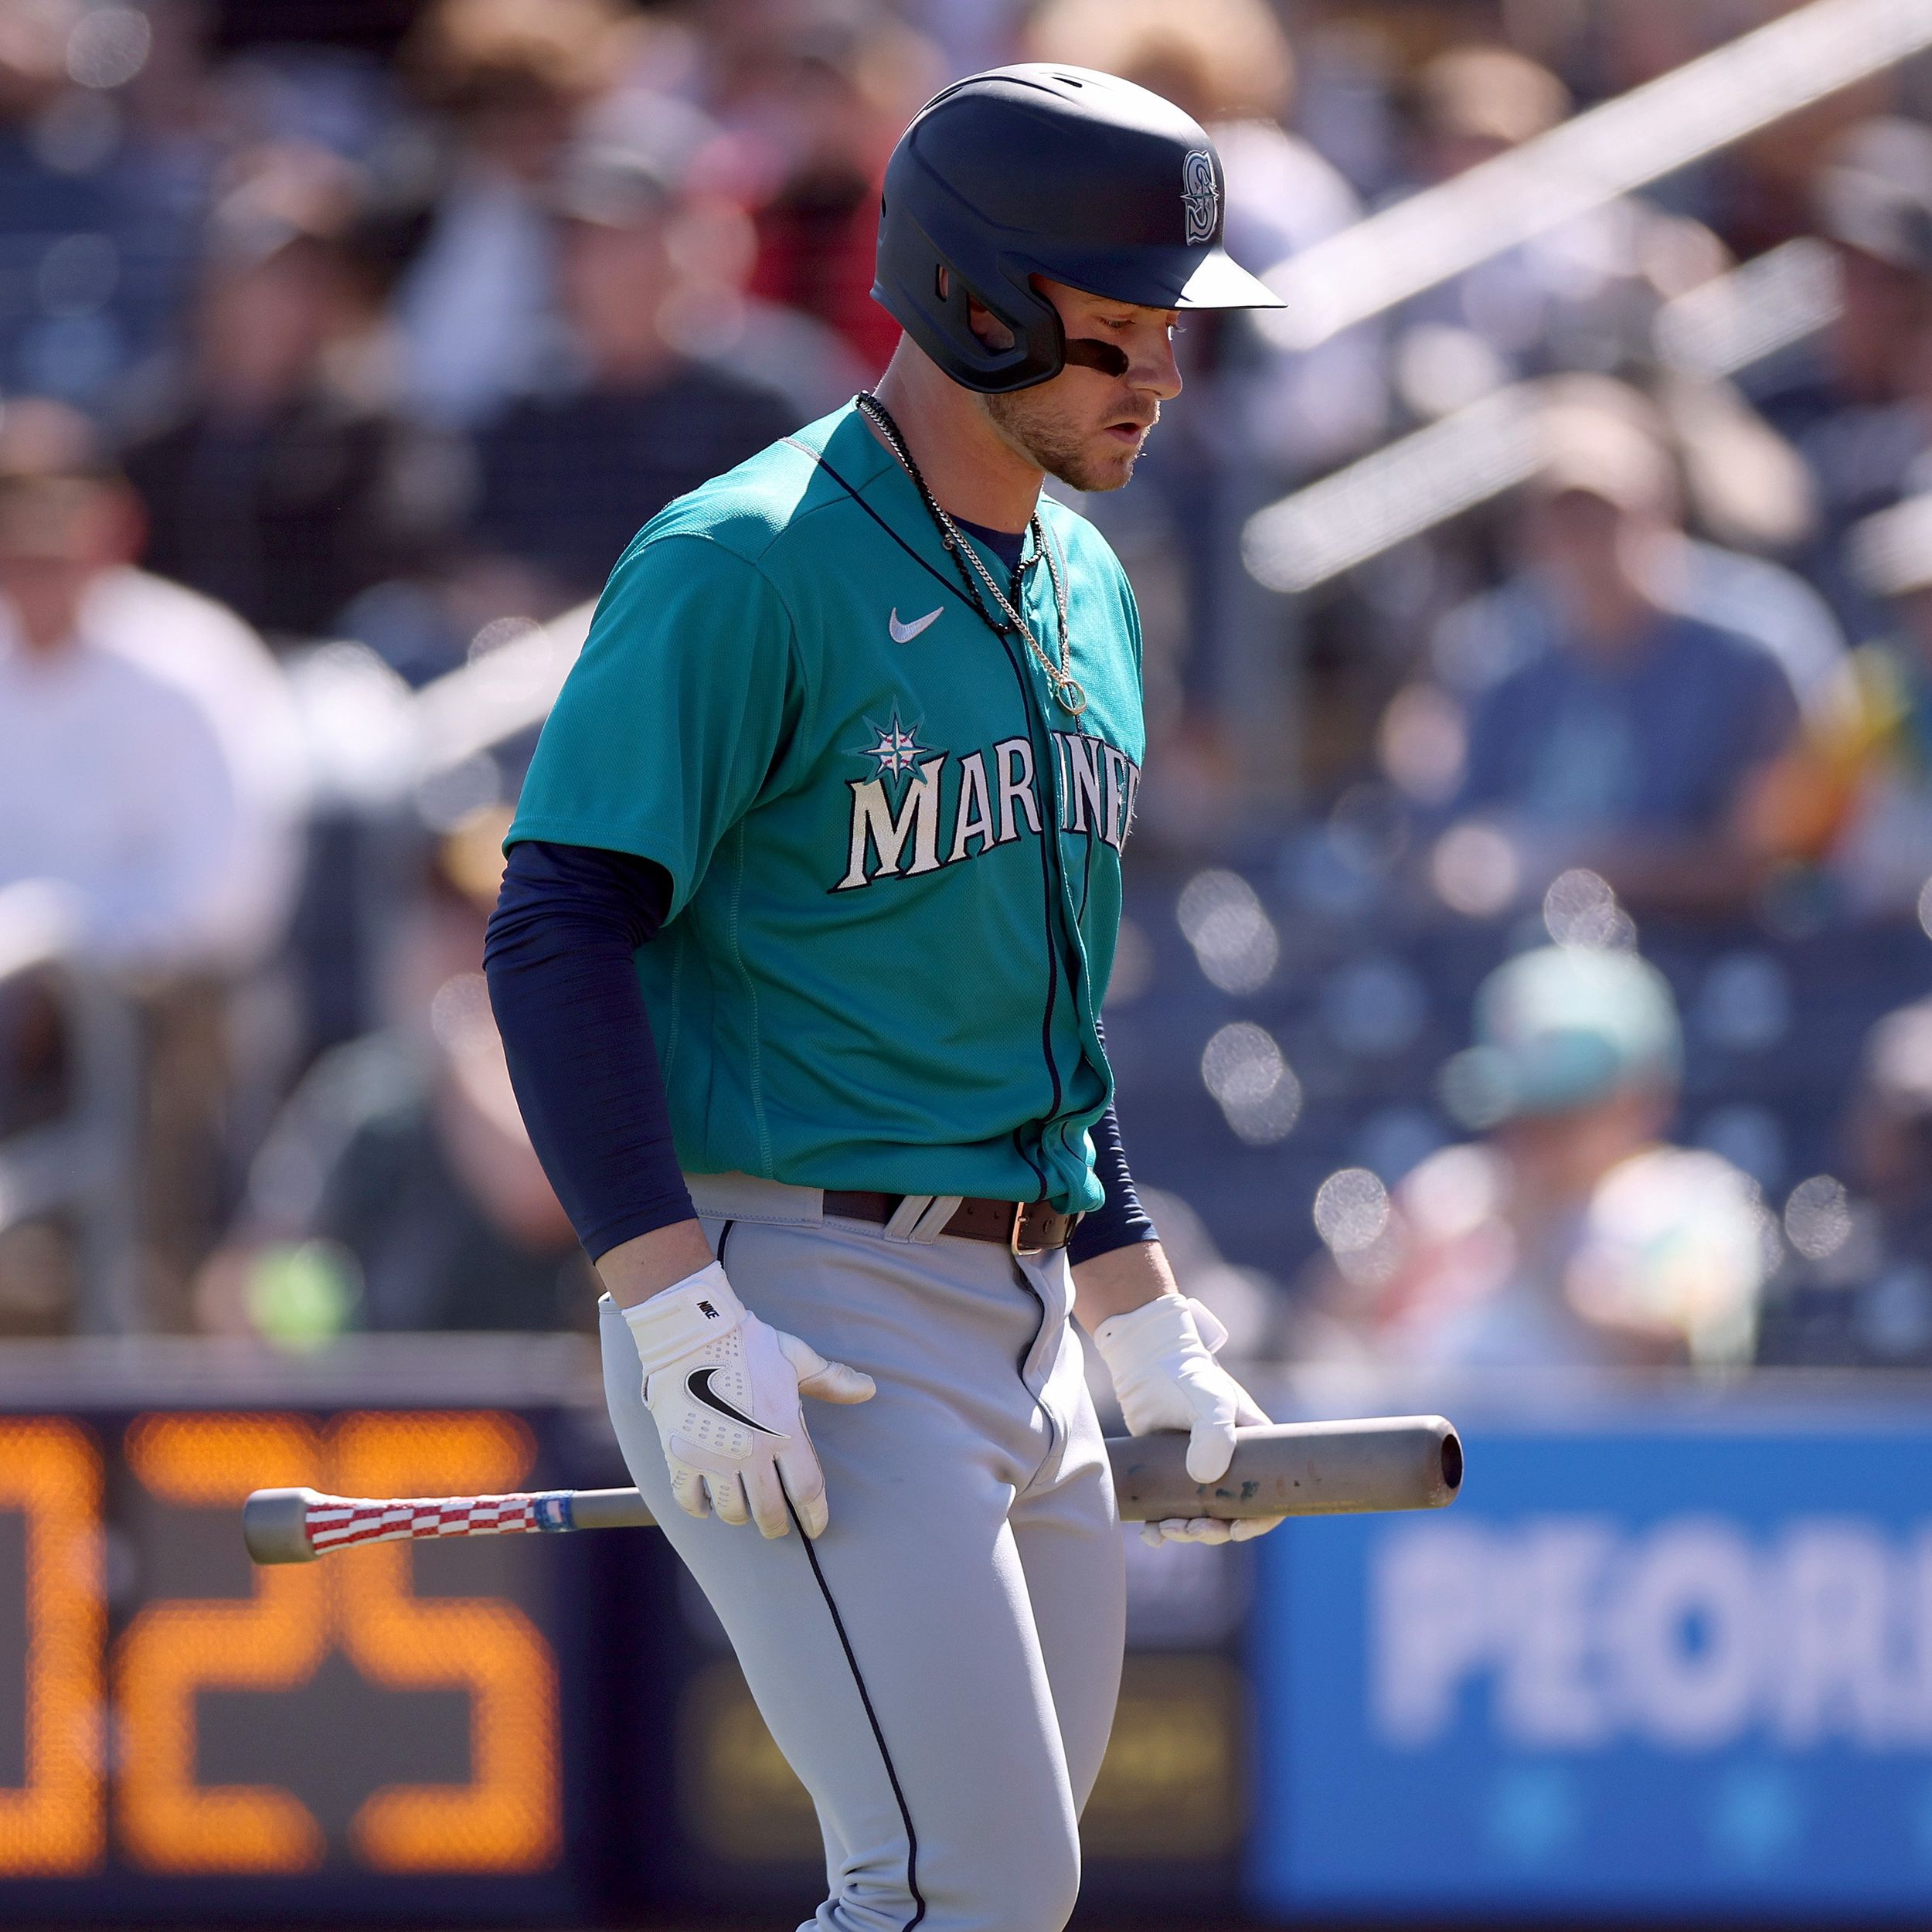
<point>564,988</point>
<point>1122,1220</point>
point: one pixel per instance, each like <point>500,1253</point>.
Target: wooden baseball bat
<point>1286,1469</point>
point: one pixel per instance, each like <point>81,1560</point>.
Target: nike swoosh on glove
<point>1161,1358</point>
<point>723,1389</point>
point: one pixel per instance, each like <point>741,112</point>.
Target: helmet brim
<point>1221,282</point>
<point>1156,278</point>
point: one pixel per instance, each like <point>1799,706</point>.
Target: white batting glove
<point>1161,1358</point>
<point>723,1389</point>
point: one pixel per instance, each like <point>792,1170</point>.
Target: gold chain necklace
<point>1068,691</point>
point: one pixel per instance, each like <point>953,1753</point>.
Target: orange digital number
<point>171,1652</point>
<point>50,1472</point>
<point>506,1818</point>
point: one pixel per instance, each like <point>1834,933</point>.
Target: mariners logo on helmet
<point>1198,197</point>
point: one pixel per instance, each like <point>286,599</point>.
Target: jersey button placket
<point>1043,617</point>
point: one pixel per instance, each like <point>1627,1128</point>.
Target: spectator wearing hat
<point>1474,102</point>
<point>1570,1234</point>
<point>1580,295</point>
<point>1641,740</point>
<point>280,481</point>
<point>1743,485</point>
<point>1856,398</point>
<point>569,473</point>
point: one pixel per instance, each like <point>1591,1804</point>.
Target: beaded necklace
<point>1067,691</point>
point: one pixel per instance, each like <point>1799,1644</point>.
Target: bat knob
<point>275,1525</point>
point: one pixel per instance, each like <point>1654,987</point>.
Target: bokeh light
<point>1243,1067</point>
<point>1580,909</point>
<point>1234,939</point>
<point>108,46</point>
<point>1818,1217</point>
<point>1421,743</point>
<point>1476,870</point>
<point>1350,1210</point>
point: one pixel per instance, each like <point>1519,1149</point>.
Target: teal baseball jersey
<point>895,859</point>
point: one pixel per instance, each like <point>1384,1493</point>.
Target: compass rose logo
<point>1198,196</point>
<point>897,750</point>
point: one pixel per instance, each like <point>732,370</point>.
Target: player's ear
<point>979,318</point>
<point>987,326</point>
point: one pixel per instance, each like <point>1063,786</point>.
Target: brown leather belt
<point>1026,1227</point>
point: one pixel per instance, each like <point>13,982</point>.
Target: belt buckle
<point>1013,1236</point>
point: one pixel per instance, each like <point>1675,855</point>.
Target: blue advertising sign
<point>1652,1668</point>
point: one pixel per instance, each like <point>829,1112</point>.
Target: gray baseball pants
<point>941,1667</point>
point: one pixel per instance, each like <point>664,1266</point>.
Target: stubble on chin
<point>1059,450</point>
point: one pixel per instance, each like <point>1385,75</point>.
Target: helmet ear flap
<point>1036,350</point>
<point>922,283</point>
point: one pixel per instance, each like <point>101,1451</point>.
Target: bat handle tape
<point>297,1525</point>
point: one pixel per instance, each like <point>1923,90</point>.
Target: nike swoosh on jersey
<point>905,633</point>
<point>698,1383</point>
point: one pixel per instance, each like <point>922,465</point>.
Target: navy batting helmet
<point>1060,171</point>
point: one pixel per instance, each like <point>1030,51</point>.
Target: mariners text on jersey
<point>900,836</point>
<point>895,860</point>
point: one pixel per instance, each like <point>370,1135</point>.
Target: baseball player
<point>809,908</point>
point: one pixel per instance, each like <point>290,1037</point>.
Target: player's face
<point>1085,426</point>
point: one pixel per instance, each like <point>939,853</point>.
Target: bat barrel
<point>1297,1469</point>
<point>610,1509</point>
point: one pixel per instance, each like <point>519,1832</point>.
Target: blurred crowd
<point>333,370</point>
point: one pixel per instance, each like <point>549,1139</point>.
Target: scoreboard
<point>181,1733</point>
<point>516,1728</point>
